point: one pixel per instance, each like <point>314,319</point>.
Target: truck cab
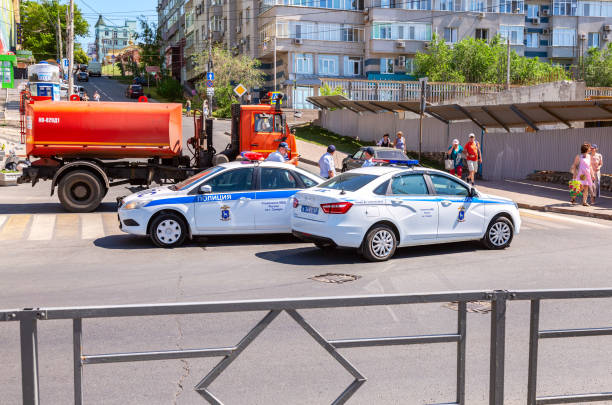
<point>263,127</point>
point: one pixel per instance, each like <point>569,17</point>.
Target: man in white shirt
<point>326,163</point>
<point>400,143</point>
<point>369,154</point>
<point>281,154</point>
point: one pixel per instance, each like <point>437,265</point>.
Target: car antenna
<point>342,192</point>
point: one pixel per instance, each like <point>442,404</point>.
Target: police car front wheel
<point>379,243</point>
<point>499,233</point>
<point>168,231</point>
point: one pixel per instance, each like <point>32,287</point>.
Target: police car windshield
<point>348,181</point>
<point>191,180</point>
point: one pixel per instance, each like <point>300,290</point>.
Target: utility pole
<point>508,63</point>
<point>210,62</point>
<point>70,50</point>
<point>423,81</point>
<point>60,51</point>
<point>274,62</point>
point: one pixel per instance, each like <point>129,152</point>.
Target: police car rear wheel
<point>499,234</point>
<point>168,231</point>
<point>379,244</point>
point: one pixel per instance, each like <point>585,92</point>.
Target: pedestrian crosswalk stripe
<point>15,227</point>
<point>2,220</point>
<point>42,227</point>
<point>67,226</point>
<point>91,226</point>
<point>111,223</point>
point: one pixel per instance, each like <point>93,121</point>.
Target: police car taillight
<point>295,202</point>
<point>336,208</point>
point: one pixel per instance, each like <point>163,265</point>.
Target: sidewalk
<point>546,197</point>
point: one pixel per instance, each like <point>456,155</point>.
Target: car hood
<point>153,194</point>
<point>496,198</point>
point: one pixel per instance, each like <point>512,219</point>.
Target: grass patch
<point>152,92</point>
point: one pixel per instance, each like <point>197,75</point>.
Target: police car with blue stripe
<point>377,209</point>
<point>241,197</point>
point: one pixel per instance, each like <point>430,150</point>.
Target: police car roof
<point>264,163</point>
<point>378,170</point>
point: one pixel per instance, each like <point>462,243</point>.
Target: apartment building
<point>110,39</point>
<point>378,39</point>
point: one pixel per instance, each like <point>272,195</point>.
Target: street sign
<point>66,66</point>
<point>210,76</point>
<point>210,91</point>
<point>240,90</point>
<point>209,83</point>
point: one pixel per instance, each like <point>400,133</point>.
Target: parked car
<point>139,80</point>
<point>82,77</point>
<point>380,153</point>
<point>134,91</point>
<point>81,91</point>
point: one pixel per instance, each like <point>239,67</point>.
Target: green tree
<point>437,62</point>
<point>79,55</point>
<point>598,67</point>
<point>39,21</point>
<point>229,71</point>
<point>326,90</point>
<point>149,42</point>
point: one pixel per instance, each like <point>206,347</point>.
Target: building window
<point>450,34</point>
<point>482,33</point>
<point>593,40</point>
<point>352,66</point>
<point>409,65</point>
<point>114,34</point>
<point>328,65</point>
<point>514,32</point>
<point>125,33</point>
<point>216,24</point>
<point>533,10</point>
<point>446,5</point>
<point>247,14</point>
<point>476,5</point>
<point>329,32</point>
<point>303,63</point>
<point>511,6</point>
<point>532,40</point>
<point>564,7</point>
<point>303,30</point>
<point>106,33</point>
<point>350,33</point>
<point>248,43</point>
<point>386,66</point>
<point>410,31</point>
<point>564,37</point>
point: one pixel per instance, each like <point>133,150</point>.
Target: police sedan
<point>232,198</point>
<point>377,209</point>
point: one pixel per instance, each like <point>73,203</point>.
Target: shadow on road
<point>125,242</point>
<point>48,208</point>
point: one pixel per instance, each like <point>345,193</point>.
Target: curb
<point>565,211</point>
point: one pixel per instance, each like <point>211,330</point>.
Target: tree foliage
<point>476,61</point>
<point>149,41</point>
<point>598,67</point>
<point>39,23</point>
<point>79,55</point>
<point>326,90</point>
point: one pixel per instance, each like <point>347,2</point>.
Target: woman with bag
<point>453,162</point>
<point>583,173</point>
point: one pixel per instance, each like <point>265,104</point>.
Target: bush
<point>170,89</point>
<point>224,96</point>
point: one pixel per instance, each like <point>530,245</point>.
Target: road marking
<point>561,218</point>
<point>42,227</point>
<point>545,223</point>
<point>67,226</point>
<point>102,91</point>
<point>91,226</point>
<point>15,227</point>
<point>2,220</point>
<point>111,224</point>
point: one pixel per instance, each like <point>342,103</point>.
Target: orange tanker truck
<point>85,148</point>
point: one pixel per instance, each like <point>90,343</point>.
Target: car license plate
<point>310,210</point>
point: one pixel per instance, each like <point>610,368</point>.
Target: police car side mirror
<point>205,189</point>
<point>472,192</point>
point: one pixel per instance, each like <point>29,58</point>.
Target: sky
<point>114,11</point>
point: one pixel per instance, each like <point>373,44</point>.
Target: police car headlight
<point>132,205</point>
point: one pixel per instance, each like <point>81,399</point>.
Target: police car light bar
<point>252,156</point>
<point>409,162</point>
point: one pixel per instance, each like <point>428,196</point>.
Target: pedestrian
<point>385,141</point>
<point>473,157</point>
<point>400,143</point>
<point>205,108</point>
<point>188,106</point>
<point>96,96</point>
<point>583,173</point>
<point>454,155</point>
<point>327,167</point>
<point>369,154</point>
<point>596,163</point>
<point>247,98</point>
<point>281,154</point>
<point>85,97</point>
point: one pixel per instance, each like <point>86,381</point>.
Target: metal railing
<point>29,319</point>
<point>598,92</point>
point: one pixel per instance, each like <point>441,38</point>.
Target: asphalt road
<point>53,258</point>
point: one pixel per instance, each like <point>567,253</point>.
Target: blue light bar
<point>410,162</point>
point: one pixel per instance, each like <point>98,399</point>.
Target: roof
<point>506,116</point>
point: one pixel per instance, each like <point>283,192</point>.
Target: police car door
<point>229,206</point>
<point>461,217</point>
<point>413,208</point>
<point>272,211</point>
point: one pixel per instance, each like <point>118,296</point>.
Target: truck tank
<point>103,130</point>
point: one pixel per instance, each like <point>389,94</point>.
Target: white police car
<point>377,209</point>
<point>232,198</point>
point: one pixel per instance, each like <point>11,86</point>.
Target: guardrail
<point>28,319</point>
<point>598,92</point>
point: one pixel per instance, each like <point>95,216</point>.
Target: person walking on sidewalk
<point>400,142</point>
<point>596,163</point>
<point>188,107</point>
<point>96,96</point>
<point>385,141</point>
<point>583,172</point>
<point>327,167</point>
<point>473,157</point>
<point>454,153</point>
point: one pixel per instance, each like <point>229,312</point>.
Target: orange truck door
<point>266,133</point>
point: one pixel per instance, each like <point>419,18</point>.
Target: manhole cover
<point>477,307</point>
<point>336,278</point>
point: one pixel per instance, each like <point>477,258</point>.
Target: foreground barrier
<point>29,319</point>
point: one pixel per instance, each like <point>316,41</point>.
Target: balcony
<point>565,52</point>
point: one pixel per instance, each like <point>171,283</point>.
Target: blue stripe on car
<point>254,195</point>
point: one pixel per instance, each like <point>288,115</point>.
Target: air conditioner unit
<point>583,36</point>
<point>516,11</point>
<point>535,21</point>
<point>400,44</point>
<point>607,37</point>
<point>401,61</point>
<point>544,12</point>
<point>607,27</point>
<point>546,31</point>
<point>298,41</point>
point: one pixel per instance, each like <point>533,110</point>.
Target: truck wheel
<point>80,191</point>
<point>220,158</point>
<point>168,231</point>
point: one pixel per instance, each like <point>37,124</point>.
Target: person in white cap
<point>473,155</point>
<point>454,153</point>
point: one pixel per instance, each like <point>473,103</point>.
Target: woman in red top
<point>473,157</point>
